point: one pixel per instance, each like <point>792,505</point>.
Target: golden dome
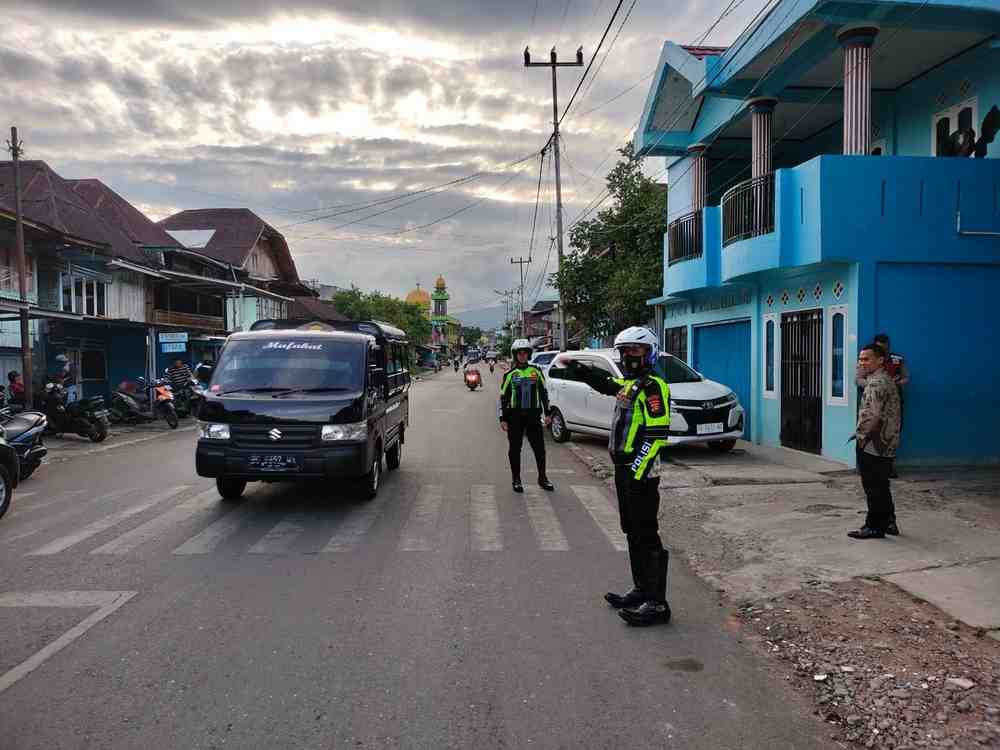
<point>440,282</point>
<point>419,297</point>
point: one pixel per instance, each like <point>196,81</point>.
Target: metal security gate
<point>802,380</point>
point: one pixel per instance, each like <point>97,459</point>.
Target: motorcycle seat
<point>21,423</point>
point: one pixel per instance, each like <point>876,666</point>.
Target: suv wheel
<point>558,427</point>
<point>6,491</point>
<point>373,477</point>
<point>722,446</point>
<point>394,455</point>
<point>230,489</point>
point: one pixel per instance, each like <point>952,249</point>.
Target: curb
<point>124,443</point>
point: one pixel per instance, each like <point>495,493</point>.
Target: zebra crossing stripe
<point>423,520</point>
<point>484,519</point>
<point>41,524</point>
<point>280,538</point>
<point>544,521</point>
<point>356,526</point>
<point>155,527</point>
<point>605,516</point>
<point>214,534</point>
<point>102,524</point>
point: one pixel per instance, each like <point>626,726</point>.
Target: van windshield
<point>673,370</point>
<point>289,364</point>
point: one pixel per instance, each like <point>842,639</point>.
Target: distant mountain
<point>486,318</point>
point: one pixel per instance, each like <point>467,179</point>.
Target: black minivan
<point>290,400</point>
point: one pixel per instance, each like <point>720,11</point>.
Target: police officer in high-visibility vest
<point>638,433</point>
<point>524,404</point>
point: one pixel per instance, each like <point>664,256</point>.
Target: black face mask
<point>634,365</point>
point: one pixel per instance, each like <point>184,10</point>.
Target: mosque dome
<point>419,297</point>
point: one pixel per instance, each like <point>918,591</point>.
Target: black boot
<point>866,532</point>
<point>892,529</point>
<point>655,610</point>
<point>516,484</point>
<point>633,598</point>
<point>545,484</point>
<point>647,613</point>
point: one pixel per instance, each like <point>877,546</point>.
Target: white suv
<point>701,410</point>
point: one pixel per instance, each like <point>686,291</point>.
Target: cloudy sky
<point>301,109</point>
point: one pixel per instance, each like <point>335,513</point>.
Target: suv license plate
<point>271,462</point>
<point>710,428</point>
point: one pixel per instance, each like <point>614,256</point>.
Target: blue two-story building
<point>834,174</point>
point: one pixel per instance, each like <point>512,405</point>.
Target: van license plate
<point>271,462</point>
<point>710,429</point>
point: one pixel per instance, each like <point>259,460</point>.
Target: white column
<point>857,42</point>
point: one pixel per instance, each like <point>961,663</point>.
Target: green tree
<point>472,334</point>
<point>615,262</point>
<point>359,305</point>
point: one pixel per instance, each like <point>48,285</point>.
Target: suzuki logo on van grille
<point>274,434</point>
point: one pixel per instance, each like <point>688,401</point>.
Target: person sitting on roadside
<point>15,387</point>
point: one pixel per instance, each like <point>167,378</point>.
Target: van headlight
<point>211,431</point>
<point>357,431</point>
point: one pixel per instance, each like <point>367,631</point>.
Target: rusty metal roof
<point>310,308</point>
<point>121,214</point>
<point>236,231</point>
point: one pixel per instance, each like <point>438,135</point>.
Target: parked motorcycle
<point>86,417</point>
<point>142,403</point>
<point>184,400</point>
<point>473,379</point>
<point>24,434</point>
<point>129,407</point>
<point>163,403</point>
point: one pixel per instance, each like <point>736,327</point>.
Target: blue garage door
<point>722,353</point>
<point>941,319</point>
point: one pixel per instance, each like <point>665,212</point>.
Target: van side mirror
<point>204,374</point>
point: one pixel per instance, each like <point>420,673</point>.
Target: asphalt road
<point>139,611</point>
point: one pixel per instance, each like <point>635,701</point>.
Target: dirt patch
<point>888,670</point>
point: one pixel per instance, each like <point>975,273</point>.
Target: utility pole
<point>521,262</point>
<point>554,63</point>
<point>507,295</point>
<point>14,146</point>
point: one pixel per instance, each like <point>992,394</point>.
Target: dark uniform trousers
<point>638,508</point>
<point>523,423</point>
<point>874,471</point>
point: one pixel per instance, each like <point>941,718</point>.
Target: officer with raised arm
<point>638,434</point>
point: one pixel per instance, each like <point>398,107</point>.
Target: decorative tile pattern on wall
<point>785,297</point>
<point>838,290</point>
<point>770,300</point>
<point>818,292</point>
<point>801,295</point>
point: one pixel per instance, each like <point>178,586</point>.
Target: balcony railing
<point>189,320</point>
<point>748,209</point>
<point>684,238</point>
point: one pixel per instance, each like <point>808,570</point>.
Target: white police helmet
<point>639,335</point>
<point>519,345</point>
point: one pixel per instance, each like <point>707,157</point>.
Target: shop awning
<point>208,285</point>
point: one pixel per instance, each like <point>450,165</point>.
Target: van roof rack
<point>371,327</point>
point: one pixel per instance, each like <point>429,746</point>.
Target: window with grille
<point>676,341</point>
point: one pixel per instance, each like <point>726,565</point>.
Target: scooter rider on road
<point>638,433</point>
<point>523,403</point>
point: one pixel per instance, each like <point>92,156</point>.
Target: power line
<point>678,111</point>
<point>435,189</point>
<point>607,54</point>
<point>594,57</point>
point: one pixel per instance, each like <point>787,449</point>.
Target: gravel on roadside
<point>888,670</point>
